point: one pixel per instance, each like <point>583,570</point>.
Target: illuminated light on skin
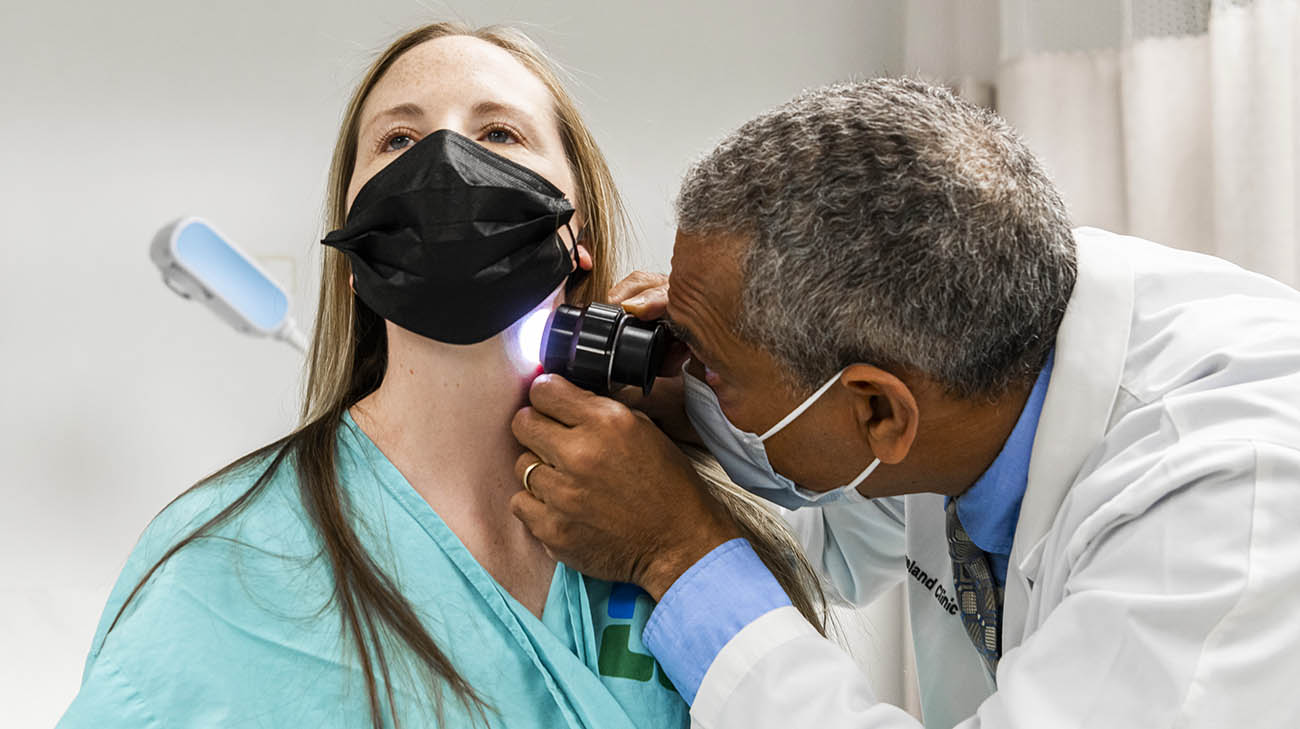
<point>530,335</point>
<point>528,339</point>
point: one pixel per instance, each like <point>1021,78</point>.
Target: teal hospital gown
<point>238,630</point>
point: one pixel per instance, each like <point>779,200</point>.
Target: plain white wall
<point>117,117</point>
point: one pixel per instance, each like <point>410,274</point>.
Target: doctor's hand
<point>613,497</point>
<point>645,296</point>
<point>642,294</point>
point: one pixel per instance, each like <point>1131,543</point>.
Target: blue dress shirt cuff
<point>706,607</point>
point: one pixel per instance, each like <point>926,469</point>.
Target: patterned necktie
<point>978,595</point>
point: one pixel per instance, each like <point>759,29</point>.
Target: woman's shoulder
<point>255,575</point>
<point>255,499</point>
<point>252,514</point>
<point>242,527</point>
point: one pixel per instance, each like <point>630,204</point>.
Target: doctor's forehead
<point>459,71</point>
<point>705,282</point>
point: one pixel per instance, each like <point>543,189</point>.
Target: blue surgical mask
<point>744,458</point>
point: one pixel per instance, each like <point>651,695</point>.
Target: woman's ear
<point>886,410</point>
<point>584,258</point>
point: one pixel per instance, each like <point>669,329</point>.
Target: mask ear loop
<point>802,407</point>
<point>577,276</point>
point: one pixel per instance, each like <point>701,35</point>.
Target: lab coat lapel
<point>1091,347</point>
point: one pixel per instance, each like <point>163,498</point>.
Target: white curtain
<point>1173,120</point>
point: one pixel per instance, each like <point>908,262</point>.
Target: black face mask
<point>454,242</point>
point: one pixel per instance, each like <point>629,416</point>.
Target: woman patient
<point>366,568</point>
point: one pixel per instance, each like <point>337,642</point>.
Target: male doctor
<point>1080,451</point>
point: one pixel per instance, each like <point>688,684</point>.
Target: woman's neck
<point>442,416</point>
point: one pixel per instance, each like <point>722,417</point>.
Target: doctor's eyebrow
<point>682,333</point>
<point>687,337</point>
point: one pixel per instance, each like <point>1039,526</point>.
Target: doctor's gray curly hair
<point>888,222</point>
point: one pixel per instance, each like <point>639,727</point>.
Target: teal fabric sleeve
<point>108,700</point>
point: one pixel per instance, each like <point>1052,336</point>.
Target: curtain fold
<point>1173,120</point>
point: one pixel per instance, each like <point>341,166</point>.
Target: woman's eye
<point>398,141</point>
<point>500,135</point>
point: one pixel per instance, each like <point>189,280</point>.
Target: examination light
<point>199,263</point>
<point>599,347</point>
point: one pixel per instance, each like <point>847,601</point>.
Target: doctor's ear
<point>887,410</point>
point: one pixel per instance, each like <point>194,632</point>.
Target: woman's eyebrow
<point>414,111</point>
<point>498,108</point>
<point>408,110</point>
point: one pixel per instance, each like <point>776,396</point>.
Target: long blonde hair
<point>347,361</point>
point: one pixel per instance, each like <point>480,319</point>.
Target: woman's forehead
<point>458,70</point>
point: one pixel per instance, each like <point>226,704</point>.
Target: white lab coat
<point>1154,580</point>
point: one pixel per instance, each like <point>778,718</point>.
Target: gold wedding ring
<point>528,472</point>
